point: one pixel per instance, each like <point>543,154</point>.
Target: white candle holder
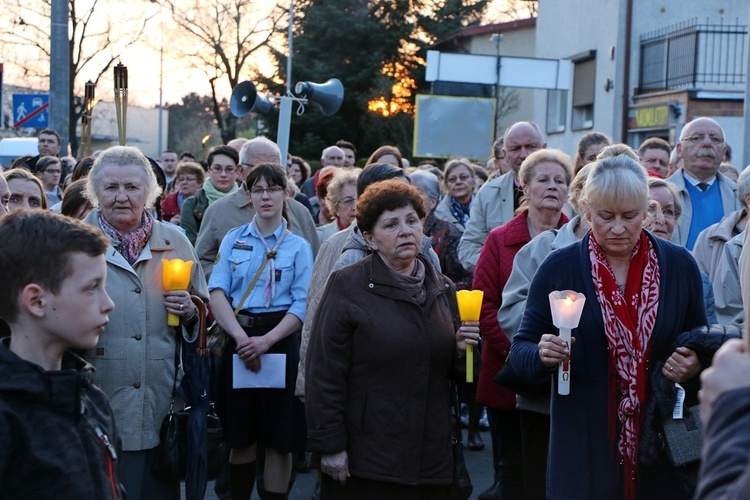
<point>566,307</point>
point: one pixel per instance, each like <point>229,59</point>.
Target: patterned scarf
<point>459,210</point>
<point>628,324</point>
<point>270,288</point>
<point>129,245</point>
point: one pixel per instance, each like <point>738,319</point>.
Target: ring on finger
<point>182,306</point>
<point>544,353</point>
<point>669,368</point>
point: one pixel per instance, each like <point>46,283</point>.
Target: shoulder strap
<point>252,285</point>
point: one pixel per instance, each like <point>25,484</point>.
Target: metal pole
<point>285,121</point>
<point>160,150</point>
<point>59,71</point>
<point>746,139</point>
<point>289,59</point>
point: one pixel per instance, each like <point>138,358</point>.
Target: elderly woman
<point>134,358</point>
<point>26,190</point>
<point>341,200</point>
<point>664,210</point>
<point>377,390</point>
<point>460,179</point>
<point>544,176</point>
<point>641,292</point>
<point>188,178</point>
<point>263,271</point>
<point>223,169</point>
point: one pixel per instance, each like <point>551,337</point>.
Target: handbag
<point>461,488</point>
<point>170,461</point>
<point>683,438</point>
<point>509,378</point>
<point>216,336</point>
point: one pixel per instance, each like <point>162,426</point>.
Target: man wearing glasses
<point>706,194</point>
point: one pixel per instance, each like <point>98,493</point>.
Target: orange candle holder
<point>176,276</point>
<point>469,309</point>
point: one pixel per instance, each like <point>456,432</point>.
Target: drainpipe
<point>626,71</point>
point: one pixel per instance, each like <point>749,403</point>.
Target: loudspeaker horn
<point>328,95</point>
<point>245,99</point>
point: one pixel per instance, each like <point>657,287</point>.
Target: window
<point>557,106</point>
<point>584,79</point>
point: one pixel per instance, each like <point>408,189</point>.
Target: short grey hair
<point>743,185</point>
<point>528,167</point>
<point>428,181</point>
<point>529,123</point>
<point>118,157</point>
<point>336,186</point>
<point>617,180</point>
<point>256,141</point>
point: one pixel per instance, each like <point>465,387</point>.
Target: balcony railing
<point>690,55</point>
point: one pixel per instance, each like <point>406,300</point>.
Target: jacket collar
<point>240,198</point>
<point>381,281</point>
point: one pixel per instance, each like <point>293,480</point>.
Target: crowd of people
<point>348,274</point>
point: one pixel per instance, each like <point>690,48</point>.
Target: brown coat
<point>378,367</point>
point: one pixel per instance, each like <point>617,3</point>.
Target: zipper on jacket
<point>111,456</point>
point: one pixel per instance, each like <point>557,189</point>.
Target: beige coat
<point>134,358</point>
<point>709,247</point>
<point>492,207</point>
<point>237,209</point>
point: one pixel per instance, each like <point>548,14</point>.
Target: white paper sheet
<point>272,373</point>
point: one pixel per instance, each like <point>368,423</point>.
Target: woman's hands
<point>682,365</point>
<point>178,302</point>
<point>553,350</point>
<point>467,334</point>
<point>250,350</point>
<point>336,465</point>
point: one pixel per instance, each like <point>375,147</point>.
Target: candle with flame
<point>176,276</point>
<point>121,101</point>
<point>566,307</point>
<point>469,308</point>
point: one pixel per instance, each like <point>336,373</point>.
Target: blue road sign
<point>31,110</point>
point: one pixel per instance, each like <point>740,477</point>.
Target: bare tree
<point>94,43</point>
<point>226,36</point>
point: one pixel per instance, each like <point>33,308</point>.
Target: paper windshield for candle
<point>469,304</point>
<point>566,307</point>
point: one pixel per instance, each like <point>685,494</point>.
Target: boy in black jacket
<point>57,432</point>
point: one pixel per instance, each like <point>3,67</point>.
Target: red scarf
<point>628,324</point>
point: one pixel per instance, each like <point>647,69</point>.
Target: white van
<point>13,147</point>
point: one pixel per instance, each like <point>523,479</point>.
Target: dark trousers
<point>505,429</point>
<point>535,445</point>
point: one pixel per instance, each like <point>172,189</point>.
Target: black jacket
<point>57,432</point>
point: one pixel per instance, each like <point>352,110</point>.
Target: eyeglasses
<point>462,177</point>
<point>188,179</point>
<point>217,169</point>
<point>696,138</point>
<point>347,201</point>
<point>272,190</point>
<point>248,165</point>
<point>654,209</point>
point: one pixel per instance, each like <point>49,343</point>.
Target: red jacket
<point>493,269</point>
<point>169,207</point>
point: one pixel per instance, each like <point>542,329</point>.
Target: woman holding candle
<point>271,311</point>
<point>134,357</point>
<point>382,350</point>
<point>544,176</point>
<point>641,293</point>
